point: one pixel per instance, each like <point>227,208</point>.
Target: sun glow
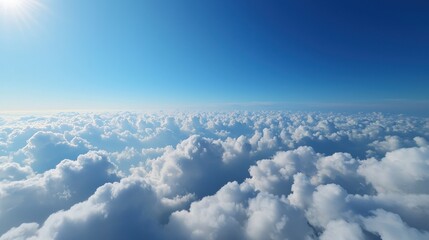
<point>10,5</point>
<point>13,7</point>
<point>21,11</point>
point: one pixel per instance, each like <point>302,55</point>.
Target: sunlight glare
<point>13,6</point>
<point>21,11</point>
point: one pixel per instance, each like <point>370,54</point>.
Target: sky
<point>129,54</point>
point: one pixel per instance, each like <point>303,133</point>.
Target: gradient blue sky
<point>135,54</point>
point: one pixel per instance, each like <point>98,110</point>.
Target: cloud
<point>272,217</point>
<point>239,175</point>
<point>302,191</point>
<point>185,169</point>
<point>35,198</point>
<point>23,232</point>
<point>328,204</point>
<point>107,209</point>
<point>46,149</point>
<point>238,212</point>
<point>126,209</point>
<point>275,175</point>
<point>342,230</point>
<point>390,226</point>
<point>219,216</point>
<point>401,171</point>
<point>12,171</point>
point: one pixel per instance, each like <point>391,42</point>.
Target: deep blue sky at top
<point>139,53</point>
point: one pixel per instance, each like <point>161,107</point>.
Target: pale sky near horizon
<point>363,55</point>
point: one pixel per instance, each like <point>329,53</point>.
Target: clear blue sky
<point>84,54</point>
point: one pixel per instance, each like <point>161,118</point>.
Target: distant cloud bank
<point>238,175</point>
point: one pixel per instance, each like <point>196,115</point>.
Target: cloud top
<point>239,175</point>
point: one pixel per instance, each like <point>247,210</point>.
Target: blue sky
<point>138,54</point>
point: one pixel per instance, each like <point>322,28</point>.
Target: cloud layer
<point>238,175</point>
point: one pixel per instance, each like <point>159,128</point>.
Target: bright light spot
<point>20,11</point>
<point>12,5</point>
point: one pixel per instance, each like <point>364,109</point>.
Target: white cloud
<point>273,218</point>
<point>23,232</point>
<point>390,226</point>
<point>35,198</point>
<point>302,191</point>
<point>328,204</point>
<point>401,171</point>
<point>125,210</point>
<point>12,171</point>
<point>275,175</point>
<point>46,149</point>
<point>219,216</point>
<point>421,142</point>
<point>342,230</point>
<point>234,212</point>
<point>389,143</point>
<point>192,167</point>
<point>241,175</point>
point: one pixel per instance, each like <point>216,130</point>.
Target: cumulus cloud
<point>239,175</point>
<point>238,212</point>
<point>401,171</point>
<point>35,198</point>
<point>342,230</point>
<point>272,217</point>
<point>99,216</point>
<point>214,217</point>
<point>23,232</point>
<point>390,226</point>
<point>11,171</point>
<point>46,149</point>
<point>275,175</point>
<point>185,169</point>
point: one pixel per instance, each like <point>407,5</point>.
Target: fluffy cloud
<point>401,171</point>
<point>342,230</point>
<point>46,149</point>
<point>98,217</point>
<point>11,171</point>
<point>35,198</point>
<point>275,175</point>
<point>272,217</point>
<point>238,212</point>
<point>390,226</point>
<point>23,232</point>
<point>240,175</point>
<point>219,216</point>
<point>185,169</point>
